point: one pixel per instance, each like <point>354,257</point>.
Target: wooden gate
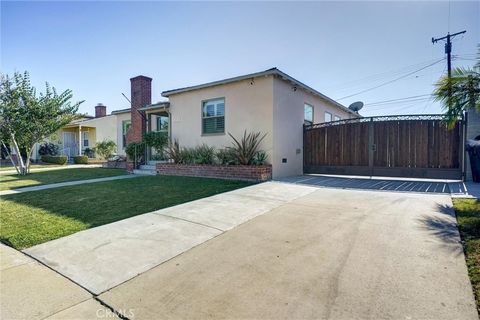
<point>396,146</point>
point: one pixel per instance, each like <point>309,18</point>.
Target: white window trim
<point>204,102</point>
<point>313,113</point>
<point>325,116</point>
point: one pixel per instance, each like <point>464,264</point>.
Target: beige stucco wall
<point>105,128</point>
<point>248,106</point>
<point>288,119</point>
<point>267,104</point>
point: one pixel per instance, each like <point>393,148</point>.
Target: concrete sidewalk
<point>68,166</point>
<point>64,184</point>
<point>29,290</point>
<point>331,254</point>
<point>104,257</point>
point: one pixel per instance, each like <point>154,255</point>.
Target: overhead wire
<point>391,81</point>
<point>380,76</point>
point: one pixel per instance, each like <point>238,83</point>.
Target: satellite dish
<point>356,106</point>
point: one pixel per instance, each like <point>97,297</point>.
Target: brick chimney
<point>141,96</point>
<point>100,110</point>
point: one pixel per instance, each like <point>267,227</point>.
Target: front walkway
<point>29,290</point>
<point>64,184</point>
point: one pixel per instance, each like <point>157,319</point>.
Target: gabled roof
<point>121,111</point>
<point>273,72</point>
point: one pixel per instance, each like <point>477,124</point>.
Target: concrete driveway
<point>280,250</point>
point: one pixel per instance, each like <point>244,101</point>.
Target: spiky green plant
<point>245,149</point>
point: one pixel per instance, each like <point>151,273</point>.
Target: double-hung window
<point>328,116</point>
<point>308,114</point>
<point>213,116</point>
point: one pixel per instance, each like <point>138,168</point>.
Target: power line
<point>379,76</point>
<point>398,103</point>
<point>397,99</point>
<point>391,81</point>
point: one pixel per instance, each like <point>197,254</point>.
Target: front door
<point>70,144</point>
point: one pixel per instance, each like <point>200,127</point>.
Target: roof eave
<point>273,71</point>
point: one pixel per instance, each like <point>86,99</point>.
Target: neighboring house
<point>86,132</point>
<point>270,102</point>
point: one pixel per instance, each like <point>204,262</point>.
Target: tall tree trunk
<point>19,155</point>
<point>10,156</point>
<point>29,156</point>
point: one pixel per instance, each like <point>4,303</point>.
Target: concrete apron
<point>331,254</point>
<point>104,257</point>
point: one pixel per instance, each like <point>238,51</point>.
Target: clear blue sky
<point>94,48</point>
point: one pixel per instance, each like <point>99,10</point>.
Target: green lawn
<point>31,218</point>
<point>468,217</point>
<point>9,167</point>
<point>14,181</point>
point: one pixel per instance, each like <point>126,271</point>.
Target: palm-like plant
<point>459,92</point>
<point>245,149</point>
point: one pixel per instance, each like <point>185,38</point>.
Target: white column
<point>79,140</point>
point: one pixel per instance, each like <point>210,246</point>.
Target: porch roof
<point>163,105</point>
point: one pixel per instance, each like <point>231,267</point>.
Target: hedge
<point>80,159</point>
<point>54,159</point>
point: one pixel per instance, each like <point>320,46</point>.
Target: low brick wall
<point>130,166</point>
<point>249,173</point>
<point>115,164</point>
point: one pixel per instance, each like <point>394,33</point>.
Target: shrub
<point>245,149</point>
<point>187,155</point>
<point>135,150</point>
<point>174,152</point>
<point>260,158</point>
<point>80,159</point>
<point>156,140</point>
<point>106,148</point>
<point>204,154</point>
<point>48,149</point>
<point>89,152</point>
<point>225,156</point>
<point>54,159</point>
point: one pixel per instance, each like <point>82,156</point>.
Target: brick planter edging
<point>235,172</point>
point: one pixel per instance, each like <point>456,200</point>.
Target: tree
<point>106,148</point>
<point>459,92</point>
<point>27,118</point>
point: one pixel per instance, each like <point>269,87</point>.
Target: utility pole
<point>448,48</point>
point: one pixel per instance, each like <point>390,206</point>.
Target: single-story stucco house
<point>270,102</point>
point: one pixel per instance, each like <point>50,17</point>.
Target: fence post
<point>370,146</point>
